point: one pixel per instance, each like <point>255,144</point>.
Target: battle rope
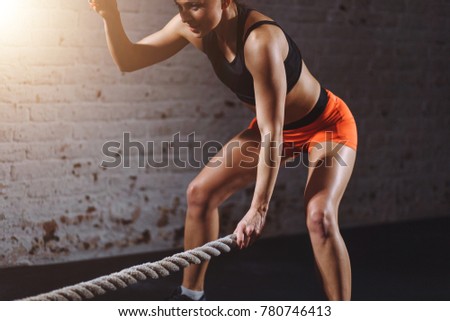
<point>132,275</point>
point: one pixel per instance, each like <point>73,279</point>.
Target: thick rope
<point>132,275</point>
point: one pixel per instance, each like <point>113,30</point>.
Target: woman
<point>253,56</point>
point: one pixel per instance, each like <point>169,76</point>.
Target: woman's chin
<point>196,32</point>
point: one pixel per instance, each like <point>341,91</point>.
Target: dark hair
<point>240,3</point>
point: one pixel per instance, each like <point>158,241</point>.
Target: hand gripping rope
<point>132,275</point>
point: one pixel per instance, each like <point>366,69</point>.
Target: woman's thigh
<point>231,169</point>
<point>330,169</point>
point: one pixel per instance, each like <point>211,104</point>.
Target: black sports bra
<point>235,74</point>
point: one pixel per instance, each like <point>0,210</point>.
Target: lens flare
<point>14,19</point>
<point>9,12</point>
<point>15,14</point>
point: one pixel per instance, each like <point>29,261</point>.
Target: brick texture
<point>62,99</point>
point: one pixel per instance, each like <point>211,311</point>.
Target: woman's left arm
<point>264,60</point>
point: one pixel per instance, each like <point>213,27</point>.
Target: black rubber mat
<point>402,261</point>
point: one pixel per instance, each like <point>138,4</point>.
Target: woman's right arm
<point>130,56</point>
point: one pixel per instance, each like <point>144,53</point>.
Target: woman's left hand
<point>250,227</point>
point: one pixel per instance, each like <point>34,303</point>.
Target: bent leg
<point>232,169</point>
<point>331,166</point>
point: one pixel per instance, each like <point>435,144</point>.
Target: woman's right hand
<point>104,7</point>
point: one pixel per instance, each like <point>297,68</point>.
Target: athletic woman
<point>261,64</point>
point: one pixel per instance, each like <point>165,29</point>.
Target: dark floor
<point>407,261</point>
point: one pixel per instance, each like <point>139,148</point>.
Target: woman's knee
<point>321,220</point>
<point>197,194</point>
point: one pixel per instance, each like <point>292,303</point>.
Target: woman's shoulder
<point>255,16</point>
<point>255,27</point>
<point>255,20</point>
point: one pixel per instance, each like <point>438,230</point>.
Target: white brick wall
<point>62,98</point>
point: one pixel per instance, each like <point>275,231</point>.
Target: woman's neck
<point>226,30</point>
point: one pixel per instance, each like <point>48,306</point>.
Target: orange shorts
<point>334,124</point>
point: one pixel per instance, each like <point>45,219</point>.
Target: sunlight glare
<point>10,13</point>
